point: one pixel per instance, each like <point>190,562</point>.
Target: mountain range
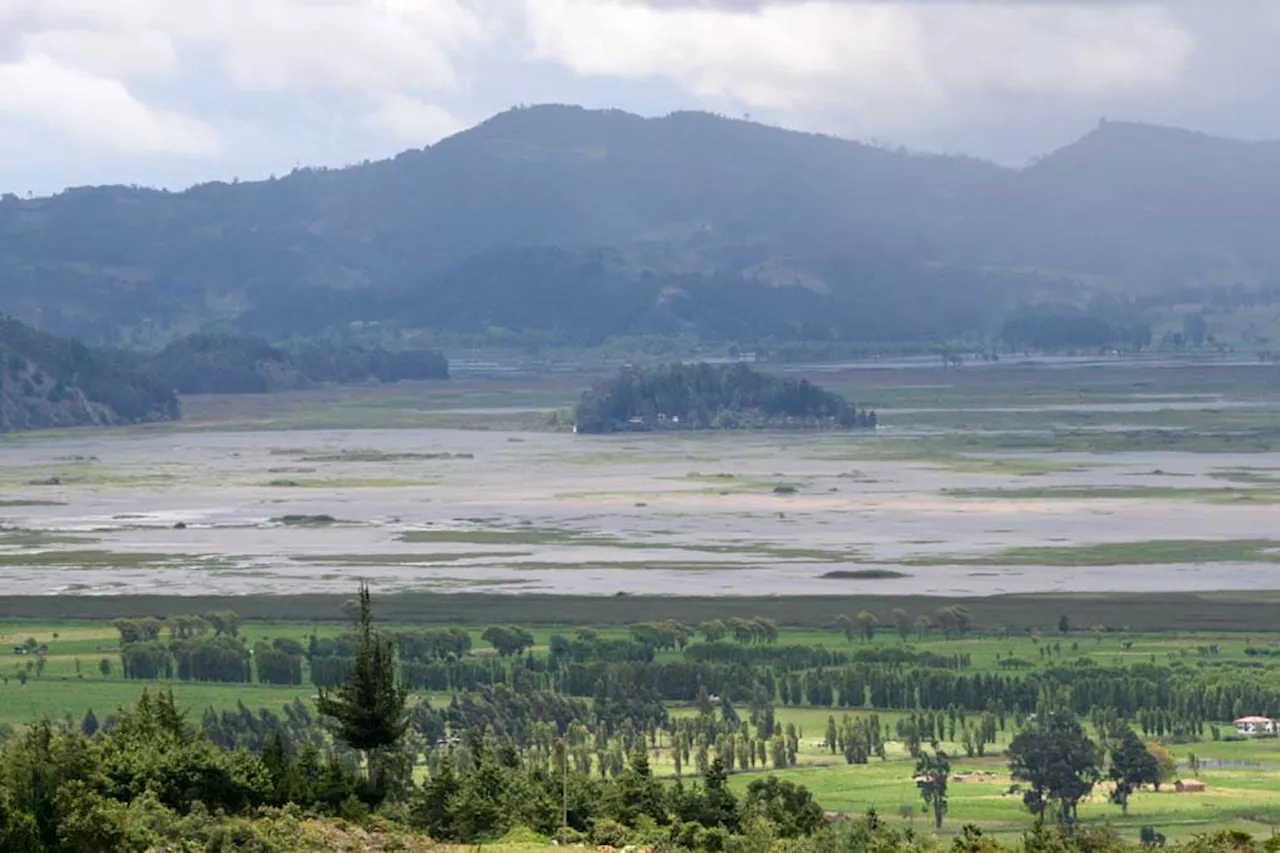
<point>576,225</point>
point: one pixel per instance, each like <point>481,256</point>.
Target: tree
<point>788,806</point>
<point>901,623</point>
<point>932,772</point>
<point>1132,766</point>
<point>954,620</point>
<point>1166,764</point>
<point>507,640</point>
<point>1064,624</point>
<point>89,725</point>
<point>370,707</point>
<point>104,667</point>
<point>867,623</point>
<point>1058,761</point>
<point>713,630</point>
<point>845,625</point>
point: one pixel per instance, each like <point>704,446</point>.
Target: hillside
<point>47,381</point>
<point>579,225</point>
<point>236,364</point>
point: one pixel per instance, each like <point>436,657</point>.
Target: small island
<point>708,396</point>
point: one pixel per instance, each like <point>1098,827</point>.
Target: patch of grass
<point>1012,466</point>
<point>1165,493</point>
<point>406,559</point>
<point>626,565</point>
<point>864,574</point>
<point>16,538</point>
<point>97,559</point>
<point>305,520</point>
<point>1151,552</point>
<point>1100,441</point>
<point>350,483</point>
<point>1247,476</point>
<point>21,503</point>
<point>57,696</point>
<point>382,456</point>
<point>525,536</point>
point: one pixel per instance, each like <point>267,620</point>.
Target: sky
<point>175,92</point>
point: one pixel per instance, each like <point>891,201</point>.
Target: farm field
<point>71,680</point>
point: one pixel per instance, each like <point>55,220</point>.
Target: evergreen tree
<point>370,707</point>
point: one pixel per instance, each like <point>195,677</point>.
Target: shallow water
<point>658,513</point>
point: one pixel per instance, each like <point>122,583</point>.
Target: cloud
<point>369,46</point>
<point>129,54</point>
<point>96,110</point>
<point>899,56</point>
<point>145,90</point>
<point>413,122</point>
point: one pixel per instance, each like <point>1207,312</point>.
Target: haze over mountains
<point>577,225</point>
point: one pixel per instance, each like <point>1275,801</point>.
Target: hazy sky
<point>172,92</point>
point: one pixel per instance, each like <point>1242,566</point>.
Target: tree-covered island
<point>709,396</point>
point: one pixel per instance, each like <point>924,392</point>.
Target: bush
<point>522,835</point>
<point>239,836</point>
<point>1149,837</point>
<point>353,809</point>
<point>566,835</point>
<point>606,831</point>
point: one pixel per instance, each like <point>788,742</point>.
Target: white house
<point>1255,726</point>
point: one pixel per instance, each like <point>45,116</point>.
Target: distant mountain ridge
<point>581,224</point>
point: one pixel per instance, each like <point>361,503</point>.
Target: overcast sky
<point>172,92</point>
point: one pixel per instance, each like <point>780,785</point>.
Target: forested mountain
<point>584,224</point>
<point>47,381</point>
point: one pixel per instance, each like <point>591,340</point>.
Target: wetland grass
<point>1153,552</point>
<point>406,559</point>
<point>1224,495</point>
<point>1150,611</point>
<point>864,574</point>
<point>90,559</point>
<point>350,483</point>
<point>305,520</point>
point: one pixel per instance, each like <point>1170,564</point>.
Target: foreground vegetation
<point>734,734</point>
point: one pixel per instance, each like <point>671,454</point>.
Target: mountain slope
<point>47,381</point>
<point>583,224</point>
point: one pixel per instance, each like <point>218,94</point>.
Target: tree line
<point>245,364</point>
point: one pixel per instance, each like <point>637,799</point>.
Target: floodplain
<point>1059,476</point>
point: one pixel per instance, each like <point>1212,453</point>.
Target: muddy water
<point>197,513</point>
